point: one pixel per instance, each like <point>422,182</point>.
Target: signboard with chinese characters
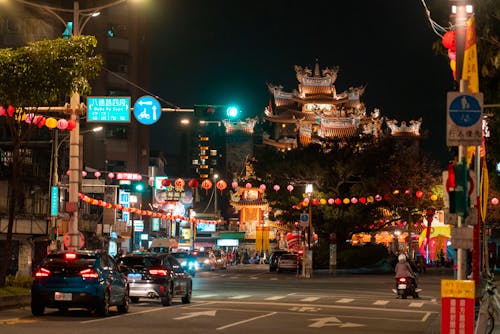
<point>112,109</point>
<point>457,306</point>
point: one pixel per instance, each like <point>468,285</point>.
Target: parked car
<point>220,259</point>
<point>290,262</point>
<point>156,276</point>
<point>206,260</point>
<point>80,279</point>
<point>274,257</point>
<point>187,261</point>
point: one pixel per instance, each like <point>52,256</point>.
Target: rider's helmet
<point>402,258</point>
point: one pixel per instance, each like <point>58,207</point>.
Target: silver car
<point>290,262</point>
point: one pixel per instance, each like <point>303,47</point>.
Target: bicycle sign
<point>147,110</point>
<point>464,119</point>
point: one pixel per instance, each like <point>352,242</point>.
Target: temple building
<point>317,112</point>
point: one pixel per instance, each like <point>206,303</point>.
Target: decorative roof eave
<point>321,99</point>
<point>250,204</point>
<point>279,145</point>
<point>278,119</point>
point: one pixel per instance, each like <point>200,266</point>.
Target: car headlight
<point>183,263</point>
<point>219,260</point>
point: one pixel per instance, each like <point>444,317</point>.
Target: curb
<point>7,302</point>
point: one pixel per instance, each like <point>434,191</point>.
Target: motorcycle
<point>405,286</point>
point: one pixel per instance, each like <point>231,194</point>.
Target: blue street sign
<point>465,110</point>
<point>147,110</point>
<point>54,201</point>
<point>464,119</point>
<point>113,109</point>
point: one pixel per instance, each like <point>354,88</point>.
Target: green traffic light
<point>232,111</point>
<point>139,187</point>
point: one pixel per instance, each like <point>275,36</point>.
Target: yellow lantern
<point>51,123</point>
<point>346,200</point>
<point>434,197</point>
<point>322,201</point>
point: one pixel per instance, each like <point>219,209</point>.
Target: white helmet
<point>401,258</point>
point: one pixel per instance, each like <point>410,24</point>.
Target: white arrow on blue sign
<point>147,110</point>
<point>464,119</point>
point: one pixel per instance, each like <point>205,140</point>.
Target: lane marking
<point>309,299</point>
<point>240,297</point>
<point>274,298</point>
<point>205,296</point>
<point>245,321</point>
<point>381,302</point>
<point>345,300</point>
<point>416,304</point>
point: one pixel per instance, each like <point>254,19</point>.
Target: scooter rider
<point>403,269</point>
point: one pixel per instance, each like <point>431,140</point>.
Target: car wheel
<point>187,298</point>
<point>103,307</point>
<point>37,308</point>
<point>123,308</point>
<point>134,300</point>
<point>167,299</point>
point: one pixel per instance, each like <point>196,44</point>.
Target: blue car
<point>80,279</point>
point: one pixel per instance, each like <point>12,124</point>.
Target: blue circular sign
<point>465,110</point>
<point>147,110</point>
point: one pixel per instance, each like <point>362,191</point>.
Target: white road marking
<point>210,313</point>
<point>204,296</point>
<point>275,297</point>
<point>240,297</point>
<point>253,277</point>
<point>244,321</point>
<point>345,300</point>
<point>309,299</point>
<point>415,304</point>
<point>381,302</point>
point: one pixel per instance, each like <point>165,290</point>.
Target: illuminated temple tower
<point>317,112</point>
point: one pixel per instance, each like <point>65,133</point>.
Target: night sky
<point>224,52</point>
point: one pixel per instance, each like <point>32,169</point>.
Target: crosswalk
<point>310,299</point>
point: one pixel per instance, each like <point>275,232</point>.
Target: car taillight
<point>70,256</point>
<point>159,272</point>
<point>89,273</point>
<point>42,272</point>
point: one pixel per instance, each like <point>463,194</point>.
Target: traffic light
<point>214,112</point>
<point>459,200</point>
<point>232,112</point>
<point>138,187</point>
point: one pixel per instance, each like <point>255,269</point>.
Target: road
<point>250,299</point>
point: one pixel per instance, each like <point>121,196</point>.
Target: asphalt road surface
<point>250,299</point>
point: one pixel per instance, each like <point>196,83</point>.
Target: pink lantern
<point>67,172</point>
<point>331,201</point>
<point>354,200</point>
<point>276,187</point>
<point>84,173</point>
<point>262,187</point>
<point>306,200</point>
<point>494,201</point>
<point>97,174</point>
<point>111,175</point>
<point>62,124</point>
<point>248,185</point>
<point>289,188</point>
<point>378,198</point>
<point>151,181</point>
<point>234,184</point>
<point>2,111</point>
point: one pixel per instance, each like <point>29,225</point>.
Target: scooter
<point>405,286</point>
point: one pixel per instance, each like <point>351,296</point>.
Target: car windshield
<point>140,261</point>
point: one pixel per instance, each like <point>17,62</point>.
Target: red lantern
<point>419,193</point>
<point>315,201</point>
<point>179,183</point>
<point>449,41</point>
<point>362,200</point>
<point>338,201</point>
<point>193,183</point>
<point>10,110</point>
<point>206,184</point>
<point>71,125</point>
<point>165,183</point>
<point>221,185</point>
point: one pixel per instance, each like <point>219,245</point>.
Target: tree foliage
<point>42,73</point>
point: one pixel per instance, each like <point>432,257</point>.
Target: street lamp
<point>55,162</point>
<point>76,109</point>
<point>308,256</point>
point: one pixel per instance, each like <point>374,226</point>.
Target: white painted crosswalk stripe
<point>240,297</point>
<point>345,300</point>
<point>309,299</point>
<point>415,304</point>
<point>381,302</point>
<point>275,297</point>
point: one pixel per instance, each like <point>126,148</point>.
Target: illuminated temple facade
<point>317,112</point>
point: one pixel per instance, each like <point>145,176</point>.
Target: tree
<point>42,73</point>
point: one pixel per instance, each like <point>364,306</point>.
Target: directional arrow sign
<point>464,119</point>
<point>197,314</point>
<point>332,321</point>
<point>147,110</point>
